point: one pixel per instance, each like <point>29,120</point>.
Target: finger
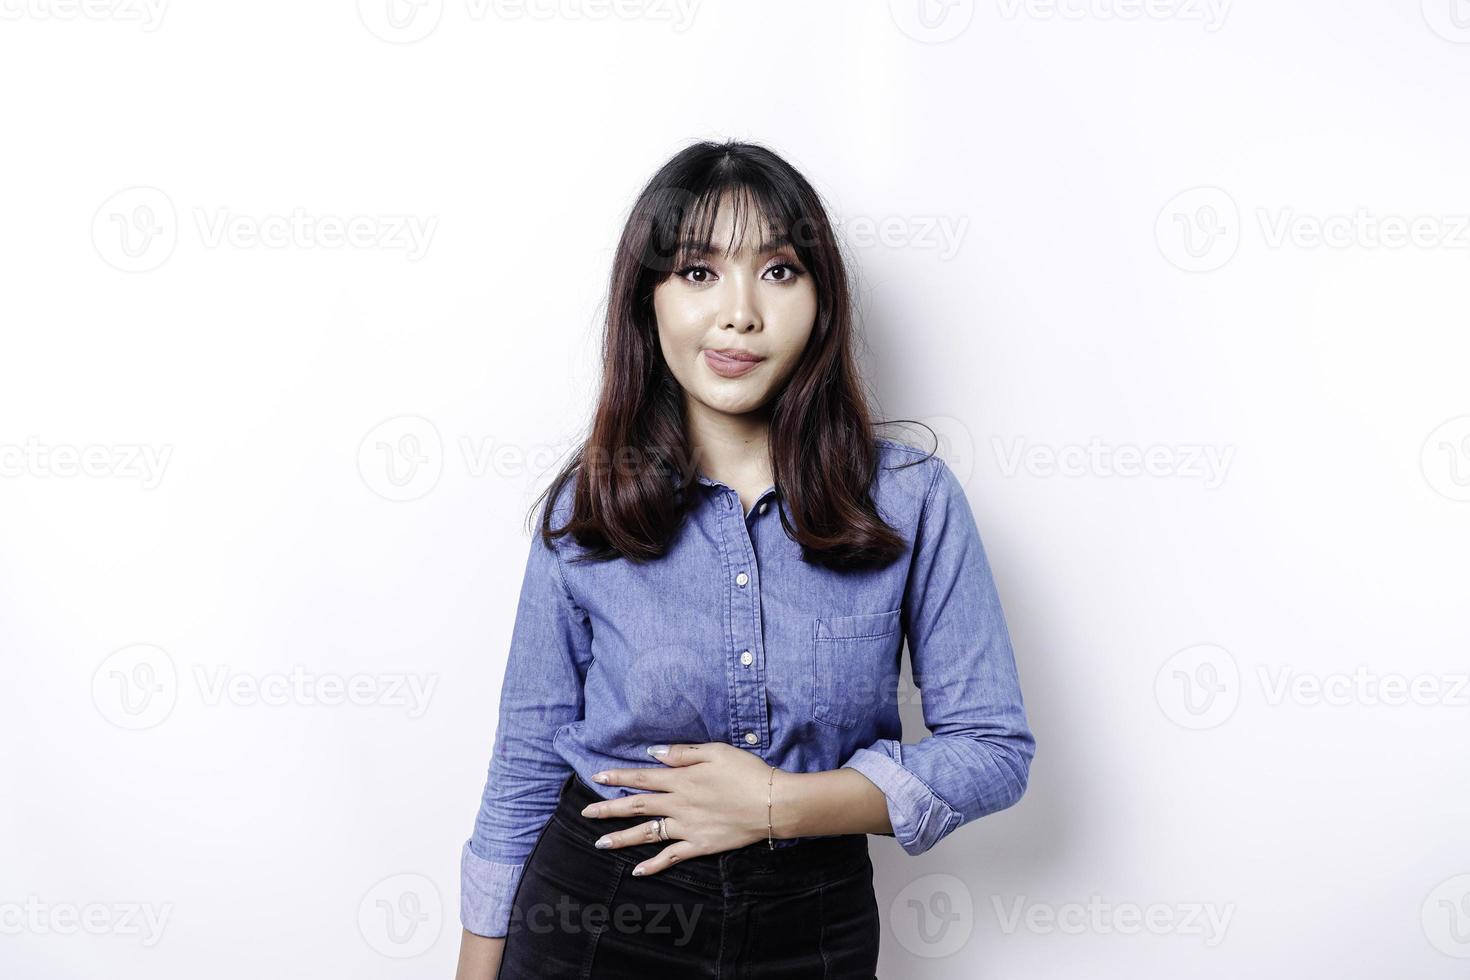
<point>667,858</point>
<point>644,833</point>
<point>632,805</point>
<point>680,755</point>
<point>643,777</point>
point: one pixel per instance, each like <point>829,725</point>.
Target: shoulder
<point>907,478</point>
<point>558,501</point>
<point>923,468</point>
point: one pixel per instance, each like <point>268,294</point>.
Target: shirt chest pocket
<point>853,658</point>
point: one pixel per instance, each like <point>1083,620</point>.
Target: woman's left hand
<point>712,795</point>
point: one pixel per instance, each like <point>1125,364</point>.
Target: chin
<point>740,405</point>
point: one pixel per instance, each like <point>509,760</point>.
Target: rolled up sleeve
<point>977,757</point>
<point>542,692</point>
<point>485,892</point>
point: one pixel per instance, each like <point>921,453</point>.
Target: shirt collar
<point>701,478</point>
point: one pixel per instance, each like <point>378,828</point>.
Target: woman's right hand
<point>479,956</point>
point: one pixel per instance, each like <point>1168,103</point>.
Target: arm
<point>542,692</point>
<point>479,956</point>
<point>977,758</point>
<point>818,804</point>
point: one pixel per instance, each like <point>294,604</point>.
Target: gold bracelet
<point>770,782</point>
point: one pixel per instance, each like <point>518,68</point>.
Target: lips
<point>731,362</point>
<point>736,354</point>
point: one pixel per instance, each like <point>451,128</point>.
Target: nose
<point>740,309</point>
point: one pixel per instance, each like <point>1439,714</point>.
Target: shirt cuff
<point>486,889</point>
<point>919,817</point>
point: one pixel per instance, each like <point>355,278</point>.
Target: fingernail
<point>637,872</point>
<point>589,810</point>
<point>658,751</point>
<point>603,842</point>
<point>599,777</point>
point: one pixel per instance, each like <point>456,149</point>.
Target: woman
<point>698,724</point>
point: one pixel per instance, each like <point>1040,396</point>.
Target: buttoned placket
<point>745,660</point>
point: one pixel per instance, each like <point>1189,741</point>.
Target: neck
<point>729,448</point>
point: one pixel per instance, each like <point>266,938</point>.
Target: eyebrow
<point>690,247</point>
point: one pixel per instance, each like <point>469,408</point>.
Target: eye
<point>788,272</point>
<point>695,268</point>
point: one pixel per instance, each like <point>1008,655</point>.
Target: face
<point>757,306</point>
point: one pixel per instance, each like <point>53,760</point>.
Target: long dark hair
<point>634,467</point>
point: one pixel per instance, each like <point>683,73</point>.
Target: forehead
<point>739,224</point>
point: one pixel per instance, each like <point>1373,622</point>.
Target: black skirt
<point>804,911</point>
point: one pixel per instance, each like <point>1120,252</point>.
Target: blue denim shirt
<point>732,637</point>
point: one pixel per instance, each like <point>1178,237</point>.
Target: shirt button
<point>750,738</point>
<point>762,508</point>
<point>741,579</point>
<point>746,658</point>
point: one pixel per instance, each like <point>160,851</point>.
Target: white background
<point>1138,201</point>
